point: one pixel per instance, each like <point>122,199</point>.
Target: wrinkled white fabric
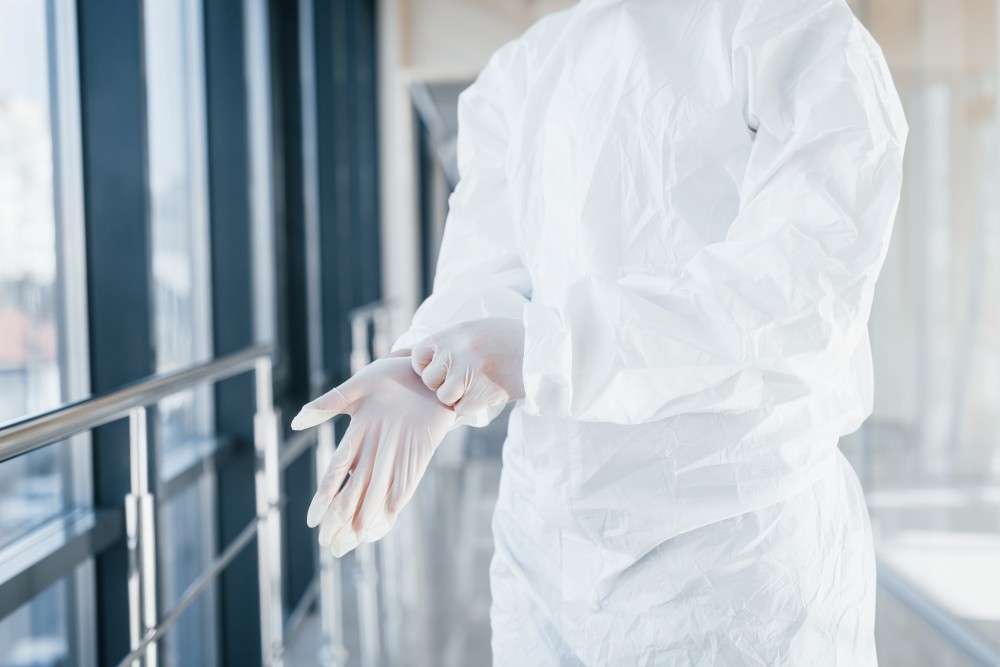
<point>688,204</point>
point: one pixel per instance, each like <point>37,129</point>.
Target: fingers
<point>346,538</point>
<point>330,404</point>
<point>341,462</point>
<point>411,462</point>
<point>467,405</point>
<point>379,527</point>
<point>435,372</point>
<point>483,397</point>
<point>420,356</point>
<point>375,495</point>
<point>452,388</point>
<point>402,352</point>
<point>345,505</point>
<point>334,522</point>
<point>343,541</point>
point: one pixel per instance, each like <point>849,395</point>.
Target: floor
<point>439,587</point>
<point>434,582</point>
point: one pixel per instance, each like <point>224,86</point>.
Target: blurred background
<point>243,201</point>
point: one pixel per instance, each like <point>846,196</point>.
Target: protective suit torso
<point>688,204</point>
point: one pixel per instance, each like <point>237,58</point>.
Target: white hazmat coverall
<point>687,203</point>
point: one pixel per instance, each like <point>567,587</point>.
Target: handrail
<point>132,402</point>
<point>33,432</point>
<point>975,647</point>
<point>146,627</point>
<point>196,588</point>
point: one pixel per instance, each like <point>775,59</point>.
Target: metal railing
<point>977,648</point>
<point>132,402</point>
<point>369,318</point>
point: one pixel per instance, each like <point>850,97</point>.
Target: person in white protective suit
<point>663,246</point>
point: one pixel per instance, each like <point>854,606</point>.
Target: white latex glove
<point>396,424</point>
<point>473,364</point>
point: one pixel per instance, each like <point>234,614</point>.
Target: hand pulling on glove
<point>398,419</point>
<point>396,424</point>
<point>473,364</point>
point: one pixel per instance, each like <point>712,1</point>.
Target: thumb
<point>423,354</point>
<point>327,406</point>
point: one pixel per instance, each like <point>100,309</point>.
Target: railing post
<point>360,357</point>
<point>366,572</point>
<point>388,562</point>
<point>330,600</point>
<point>145,629</point>
<point>380,335</point>
<point>140,527</point>
<point>267,478</point>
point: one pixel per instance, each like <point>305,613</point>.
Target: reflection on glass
<point>36,635</point>
<point>187,531</point>
<point>33,487</point>
<point>175,108</point>
<point>182,312</point>
<point>930,455</point>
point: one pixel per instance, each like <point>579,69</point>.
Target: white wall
<point>433,40</point>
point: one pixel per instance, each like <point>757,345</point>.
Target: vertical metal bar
<point>196,137</point>
<point>388,576</point>
<point>368,619</point>
<point>134,588</point>
<point>310,194</point>
<point>147,549</point>
<point>330,600</point>
<point>366,579</point>
<point>388,562</point>
<point>267,478</point>
<point>67,153</point>
<point>140,526</point>
<point>996,135</point>
<point>208,488</point>
<point>257,49</point>
<point>263,570</point>
<point>380,337</point>
<point>360,356</point>
<point>147,525</point>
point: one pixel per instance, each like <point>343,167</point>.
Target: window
<point>262,204</point>
<point>187,536</point>
<point>29,321</point>
<point>43,338</point>
<point>38,633</point>
<point>175,108</point>
<point>930,455</point>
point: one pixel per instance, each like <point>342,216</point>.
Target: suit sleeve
<point>479,270</point>
<point>770,313</point>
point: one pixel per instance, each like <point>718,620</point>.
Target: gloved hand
<point>396,424</point>
<point>473,364</point>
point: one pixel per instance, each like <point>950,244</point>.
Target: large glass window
<point>175,103</point>
<point>42,301</point>
<point>261,146</point>
<point>29,319</point>
<point>930,455</point>
<point>190,534</point>
<point>39,633</point>
<point>177,184</point>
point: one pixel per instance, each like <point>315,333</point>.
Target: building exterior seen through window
<point>929,457</point>
<point>175,107</point>
<point>35,361</point>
